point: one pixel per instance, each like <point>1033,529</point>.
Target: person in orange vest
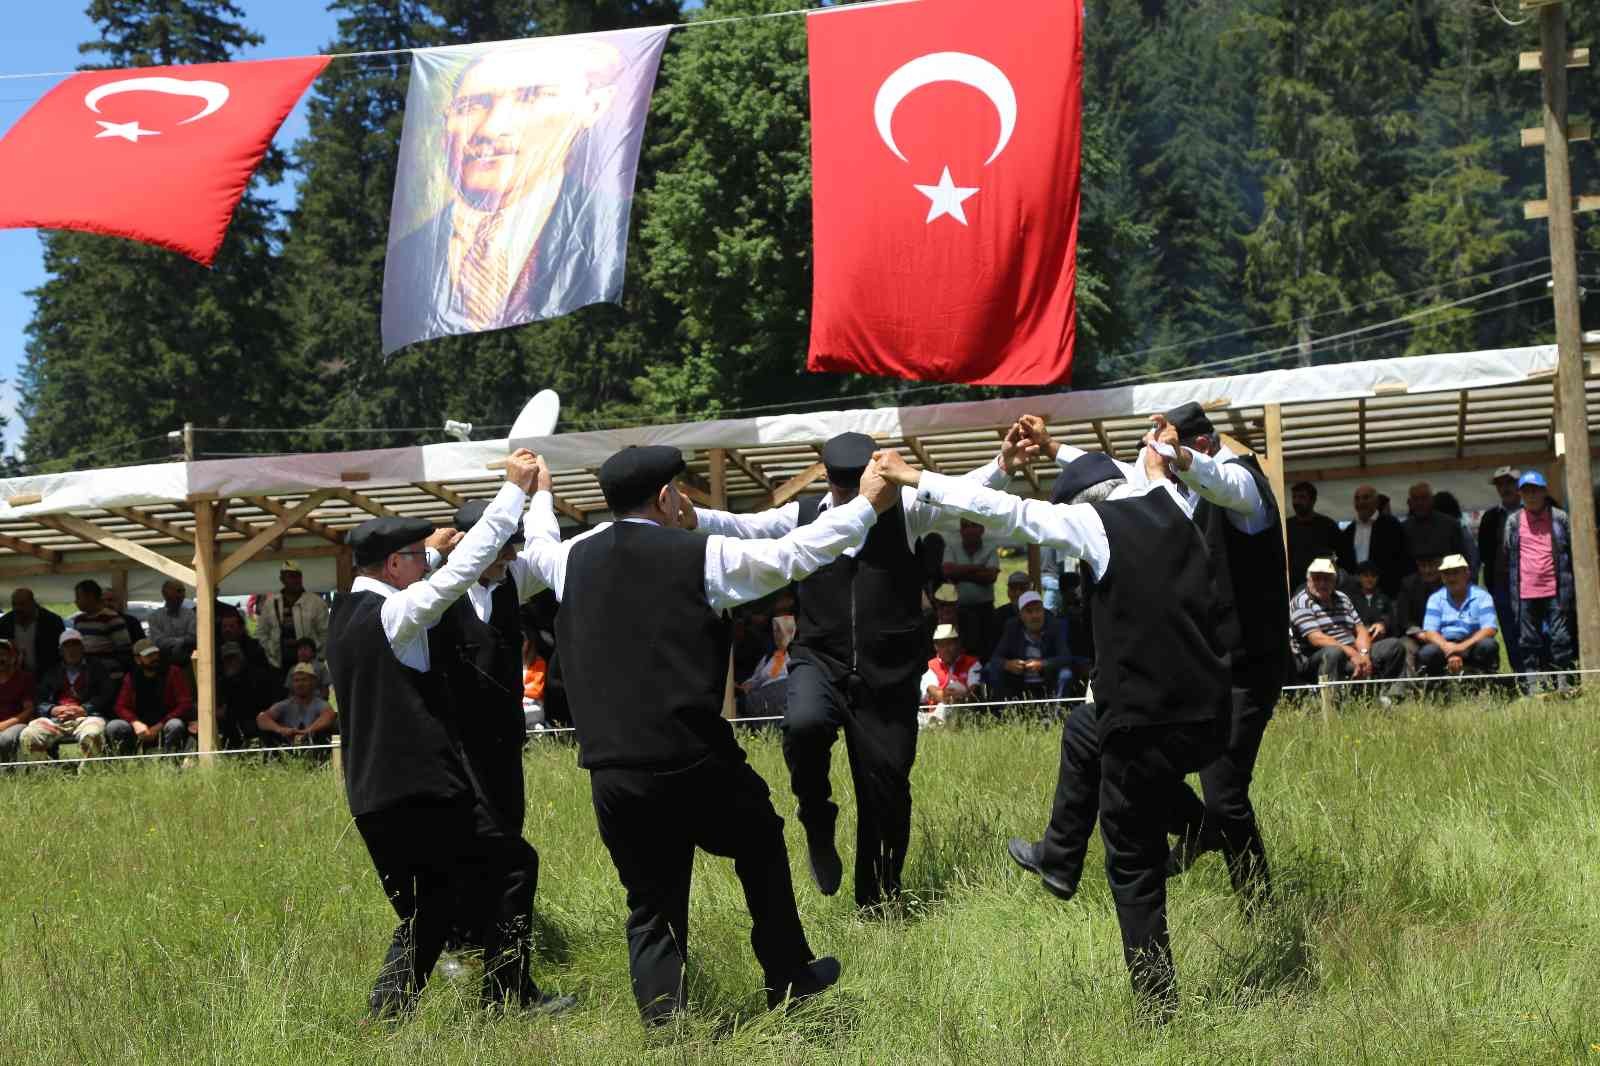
<point>534,669</point>
<point>952,677</point>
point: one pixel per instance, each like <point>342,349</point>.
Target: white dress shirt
<point>410,612</point>
<point>1228,485</point>
<point>737,570</point>
<point>535,525</point>
<point>1361,538</point>
<point>1075,528</point>
<point>779,521</point>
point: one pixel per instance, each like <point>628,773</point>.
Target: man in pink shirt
<point>1537,562</point>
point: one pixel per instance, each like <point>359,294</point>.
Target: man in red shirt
<point>16,700</point>
<point>152,706</point>
<point>1537,564</point>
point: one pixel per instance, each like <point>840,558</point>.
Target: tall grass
<point>1437,901</point>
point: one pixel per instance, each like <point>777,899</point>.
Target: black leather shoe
<point>548,1003</point>
<point>813,978</point>
<point>1026,855</point>
<point>827,869</point>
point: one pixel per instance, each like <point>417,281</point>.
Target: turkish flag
<point>156,154</point>
<point>944,151</point>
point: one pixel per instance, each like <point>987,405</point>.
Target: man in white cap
<point>1030,660</point>
<point>289,614</point>
<point>75,699</point>
<point>1459,627</point>
<point>952,677</point>
<point>1332,643</point>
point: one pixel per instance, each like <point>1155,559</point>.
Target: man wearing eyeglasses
<point>405,776</point>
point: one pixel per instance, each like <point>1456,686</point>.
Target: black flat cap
<point>846,456</point>
<point>376,539</point>
<point>637,473</point>
<point>1084,472</point>
<point>467,516</point>
<point>1191,421</point>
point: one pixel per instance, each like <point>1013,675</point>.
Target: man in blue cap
<point>642,600</point>
<point>1156,717</point>
<point>1537,563</point>
<point>856,659</point>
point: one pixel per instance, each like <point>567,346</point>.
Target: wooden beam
<point>13,568</point>
<point>227,521</point>
<point>697,496</point>
<point>751,470</point>
<point>1275,464</point>
<point>438,491</point>
<point>275,531</point>
<point>1461,425</point>
<point>366,503</point>
<point>1541,208</point>
<point>717,461</point>
<point>1105,439</point>
<point>922,455</point>
<point>1425,466</point>
<point>150,521</point>
<point>797,484</point>
<point>205,618</point>
<point>1533,136</point>
<point>1527,61</point>
<point>1035,568</point>
<point>572,511</point>
<point>17,544</point>
<point>84,530</point>
<point>344,568</point>
<point>310,525</point>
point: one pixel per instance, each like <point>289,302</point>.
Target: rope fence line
<point>554,731</point>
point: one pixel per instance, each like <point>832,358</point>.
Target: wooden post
<point>188,442</point>
<point>119,587</point>
<point>1274,430</point>
<point>344,569</point>
<point>730,704</point>
<point>718,479</point>
<point>205,617</point>
<point>1573,415</point>
<point>1035,569</point>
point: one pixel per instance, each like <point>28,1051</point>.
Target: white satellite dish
<point>537,419</point>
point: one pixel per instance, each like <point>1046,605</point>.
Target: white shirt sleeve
<point>922,518</point>
<point>1229,486</point>
<point>538,525</point>
<point>763,525</point>
<point>1075,528</point>
<point>410,612</point>
<point>738,570</point>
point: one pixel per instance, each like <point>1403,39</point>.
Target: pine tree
<point>127,342</point>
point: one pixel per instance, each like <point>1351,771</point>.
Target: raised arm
<point>738,570</point>
<point>763,525</point>
<point>539,526</point>
<point>1228,485</point>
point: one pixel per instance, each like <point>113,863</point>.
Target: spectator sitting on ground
<point>305,651</point>
<point>1537,561</point>
<point>1458,631</point>
<point>303,718</point>
<point>1374,537</point>
<point>1429,534</point>
<point>289,614</point>
<point>16,700</point>
<point>1331,644</point>
<point>1412,604</point>
<point>173,626</point>
<point>75,698</point>
<point>1016,585</point>
<point>105,635</point>
<point>973,566</point>
<point>535,670</point>
<point>1312,535</point>
<point>1375,608</point>
<point>36,632</point>
<point>244,690</point>
<point>1030,660</point>
<point>765,693</point>
<point>154,705</point>
<point>952,677</point>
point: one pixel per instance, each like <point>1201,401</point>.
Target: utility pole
<point>1572,409</point>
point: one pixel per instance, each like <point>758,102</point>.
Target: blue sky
<point>45,37</point>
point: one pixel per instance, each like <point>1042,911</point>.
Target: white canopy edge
<point>439,463</point>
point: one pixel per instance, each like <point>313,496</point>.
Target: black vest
<point>484,672</point>
<point>1159,657</point>
<point>399,738</point>
<point>863,614</point>
<point>1252,585</point>
<point>644,656</point>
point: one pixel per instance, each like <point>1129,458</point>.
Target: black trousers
<point>651,823</point>
<point>880,736</point>
<point>1226,819</point>
<point>505,877</point>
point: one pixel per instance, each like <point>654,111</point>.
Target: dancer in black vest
<point>1238,515</point>
<point>645,643</point>
<point>1161,673</point>
<point>484,676</point>
<point>858,651</point>
<point>405,776</point>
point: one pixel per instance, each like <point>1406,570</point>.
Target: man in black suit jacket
<point>45,651</point>
<point>1031,657</point>
<point>1384,539</point>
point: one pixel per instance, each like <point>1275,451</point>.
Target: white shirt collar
<point>363,583</point>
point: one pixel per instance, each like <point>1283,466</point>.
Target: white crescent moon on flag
<point>214,93</point>
<point>971,70</point>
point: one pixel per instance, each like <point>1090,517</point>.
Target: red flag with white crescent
<point>155,154</point>
<point>945,151</point>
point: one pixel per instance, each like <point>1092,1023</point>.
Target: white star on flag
<point>946,198</point>
<point>128,131</point>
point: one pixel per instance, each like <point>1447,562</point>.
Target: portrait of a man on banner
<point>515,180</point>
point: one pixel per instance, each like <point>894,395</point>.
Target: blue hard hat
<point>1532,477</point>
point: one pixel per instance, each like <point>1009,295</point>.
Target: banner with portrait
<point>515,180</point>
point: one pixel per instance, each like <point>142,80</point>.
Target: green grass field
<point>1437,902</point>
